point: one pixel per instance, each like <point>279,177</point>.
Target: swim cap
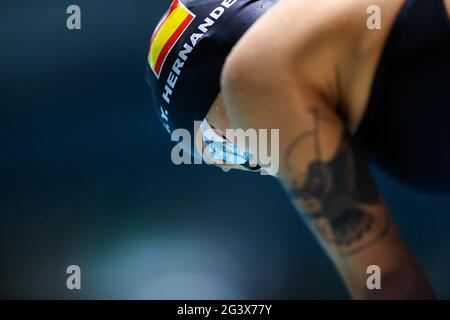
<point>187,52</point>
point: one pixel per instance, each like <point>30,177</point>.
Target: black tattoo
<point>333,192</point>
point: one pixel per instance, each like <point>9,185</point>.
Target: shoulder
<point>308,37</point>
<point>300,24</point>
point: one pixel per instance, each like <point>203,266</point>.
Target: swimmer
<point>342,95</point>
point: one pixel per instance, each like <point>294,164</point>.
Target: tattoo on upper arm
<point>336,195</point>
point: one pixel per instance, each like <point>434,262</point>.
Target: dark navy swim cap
<point>187,52</point>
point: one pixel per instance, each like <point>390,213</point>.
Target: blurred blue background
<point>86,179</point>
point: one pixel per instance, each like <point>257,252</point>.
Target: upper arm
<point>276,79</point>
<point>322,169</point>
<point>329,181</point>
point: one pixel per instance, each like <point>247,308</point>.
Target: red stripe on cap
<point>173,6</point>
<point>169,44</point>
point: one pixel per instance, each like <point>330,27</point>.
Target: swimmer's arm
<point>293,83</point>
<point>330,184</point>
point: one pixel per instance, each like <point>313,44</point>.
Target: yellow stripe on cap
<point>167,33</point>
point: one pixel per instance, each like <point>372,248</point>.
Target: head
<point>216,138</point>
<point>187,52</point>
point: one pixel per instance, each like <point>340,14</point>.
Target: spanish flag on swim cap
<point>167,33</point>
<point>187,51</point>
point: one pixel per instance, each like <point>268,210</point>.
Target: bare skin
<point>306,67</point>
